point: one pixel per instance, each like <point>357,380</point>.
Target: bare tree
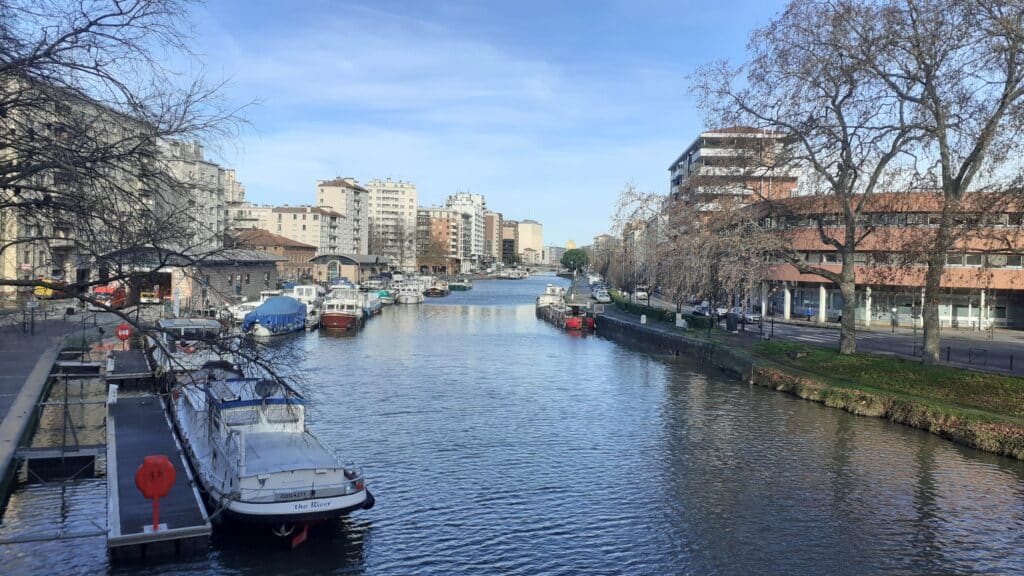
<point>958,65</point>
<point>838,125</point>
<point>89,109</point>
<point>633,209</point>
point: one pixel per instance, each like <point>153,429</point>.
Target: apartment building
<point>492,236</point>
<point>209,190</point>
<point>531,241</point>
<point>350,201</point>
<point>474,206</point>
<point>510,241</point>
<point>444,241</point>
<point>392,221</point>
<point>732,165</point>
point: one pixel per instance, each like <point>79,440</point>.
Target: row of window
<point>897,219</point>
<point>892,258</point>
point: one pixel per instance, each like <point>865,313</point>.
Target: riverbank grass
<point>975,396</point>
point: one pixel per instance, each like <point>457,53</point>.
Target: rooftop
<point>255,237</point>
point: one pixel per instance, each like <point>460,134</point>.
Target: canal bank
<point>797,370</point>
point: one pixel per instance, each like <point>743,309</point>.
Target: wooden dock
<point>129,370</point>
<point>138,426</point>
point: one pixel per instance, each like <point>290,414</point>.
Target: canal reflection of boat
<point>343,309</point>
<point>255,459</point>
<point>277,316</point>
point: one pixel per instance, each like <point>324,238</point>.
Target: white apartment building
<point>211,189</point>
<point>351,201</point>
<point>475,206</point>
<point>392,221</point>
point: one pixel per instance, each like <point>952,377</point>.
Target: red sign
<point>154,479</point>
<point>124,332</point>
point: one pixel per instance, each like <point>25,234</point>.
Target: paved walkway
<point>26,356</point>
<point>1005,353</point>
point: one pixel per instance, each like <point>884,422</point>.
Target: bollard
<point>947,353</point>
<point>1011,361</point>
<point>643,318</point>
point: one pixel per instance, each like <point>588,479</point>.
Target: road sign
<point>124,332</point>
<point>32,304</point>
<point>26,267</point>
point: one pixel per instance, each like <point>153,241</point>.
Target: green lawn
<point>968,393</point>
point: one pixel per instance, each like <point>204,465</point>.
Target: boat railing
<point>353,482</point>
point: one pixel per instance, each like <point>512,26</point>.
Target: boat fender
<point>370,501</point>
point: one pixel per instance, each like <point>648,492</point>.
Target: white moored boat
<point>552,295</point>
<point>185,344</point>
<point>410,293</point>
<point>254,457</point>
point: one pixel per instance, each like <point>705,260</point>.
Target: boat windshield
<point>198,334</point>
<point>240,416</point>
<point>282,413</point>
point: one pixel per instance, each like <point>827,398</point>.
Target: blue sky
<point>546,108</point>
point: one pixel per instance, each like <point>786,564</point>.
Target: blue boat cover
<point>279,314</point>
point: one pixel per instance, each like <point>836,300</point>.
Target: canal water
<point>497,444</point>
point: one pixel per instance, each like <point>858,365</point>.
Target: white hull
<point>410,298</point>
<point>285,495</point>
<point>261,331</point>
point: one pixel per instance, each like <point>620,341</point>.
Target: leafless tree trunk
<point>958,66</point>
<point>839,125</point>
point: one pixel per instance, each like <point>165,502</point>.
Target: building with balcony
<point>392,221</point>
<point>474,206</point>
<point>726,166</point>
<point>346,197</point>
<point>444,241</point>
<point>510,242</point>
<point>492,236</point>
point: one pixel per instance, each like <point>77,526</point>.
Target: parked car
<point>701,310</point>
<point>746,315</point>
<point>641,293</point>
<point>721,310</point>
<point>602,296</point>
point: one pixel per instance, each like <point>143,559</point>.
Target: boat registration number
<point>294,495</point>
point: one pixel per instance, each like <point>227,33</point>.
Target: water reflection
<point>497,444</point>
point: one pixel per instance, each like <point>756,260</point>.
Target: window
<point>303,226</point>
<point>996,260</point>
<point>955,259</point>
<point>247,278</point>
<point>830,257</point>
<point>266,279</point>
<point>917,219</point>
<point>972,259</point>
<point>860,258</point>
<point>1014,260</point>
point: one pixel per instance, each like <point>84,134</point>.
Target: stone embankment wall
<point>1005,439</point>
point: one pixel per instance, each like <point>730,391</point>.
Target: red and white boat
<point>343,310</point>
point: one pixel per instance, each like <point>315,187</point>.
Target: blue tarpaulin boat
<point>278,315</point>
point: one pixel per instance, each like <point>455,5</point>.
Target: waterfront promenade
<point>999,350</point>
<point>26,357</point>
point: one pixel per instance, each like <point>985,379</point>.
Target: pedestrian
<point>810,313</point>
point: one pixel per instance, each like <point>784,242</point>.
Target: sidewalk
<point>1000,356</point>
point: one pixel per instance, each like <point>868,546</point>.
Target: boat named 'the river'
<point>255,459</point>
